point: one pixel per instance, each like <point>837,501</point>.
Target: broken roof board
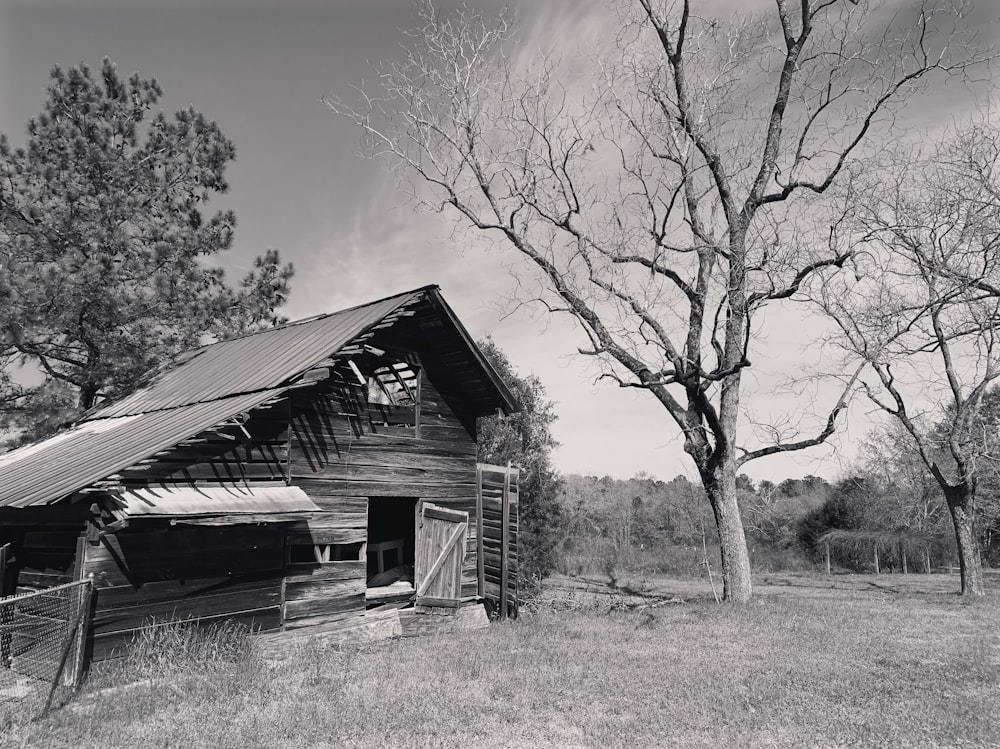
<point>171,501</point>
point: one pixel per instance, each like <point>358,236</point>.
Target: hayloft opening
<point>393,385</point>
<point>393,395</point>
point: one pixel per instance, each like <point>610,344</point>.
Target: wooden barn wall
<point>45,543</point>
<point>153,572</point>
<point>340,450</point>
<point>323,592</point>
<point>213,459</point>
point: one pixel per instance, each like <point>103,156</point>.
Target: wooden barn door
<point>440,551</point>
<point>497,517</point>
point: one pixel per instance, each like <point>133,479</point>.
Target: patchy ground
<point>637,591</point>
<point>841,661</point>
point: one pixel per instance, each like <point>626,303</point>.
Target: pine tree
<point>105,244</point>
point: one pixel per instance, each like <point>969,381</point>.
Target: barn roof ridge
<point>311,318</point>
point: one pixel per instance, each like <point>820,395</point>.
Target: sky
<point>260,70</point>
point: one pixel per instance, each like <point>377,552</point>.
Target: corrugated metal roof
<point>166,501</point>
<point>88,452</point>
<point>253,362</point>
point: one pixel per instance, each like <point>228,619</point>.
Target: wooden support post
<point>80,558</point>
<point>6,615</point>
<point>94,524</point>
<point>286,558</point>
<point>6,551</point>
<point>74,670</point>
<point>480,562</point>
<point>504,542</point>
<point>288,441</point>
<point>416,408</point>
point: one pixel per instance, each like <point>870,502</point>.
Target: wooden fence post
<point>504,542</point>
<point>480,562</point>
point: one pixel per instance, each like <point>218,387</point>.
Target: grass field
<point>814,661</point>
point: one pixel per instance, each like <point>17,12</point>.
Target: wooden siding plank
<point>219,604</point>
<point>311,608</point>
<point>123,596</point>
<point>337,487</point>
<point>336,571</point>
<point>351,471</point>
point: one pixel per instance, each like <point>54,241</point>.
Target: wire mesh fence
<point>42,637</point>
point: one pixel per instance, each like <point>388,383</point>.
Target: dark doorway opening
<point>391,537</point>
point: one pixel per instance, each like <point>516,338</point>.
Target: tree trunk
<point>88,396</point>
<point>720,486</point>
<point>960,503</point>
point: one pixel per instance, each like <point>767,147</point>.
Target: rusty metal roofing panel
<point>92,450</point>
<point>253,362</point>
<point>164,501</point>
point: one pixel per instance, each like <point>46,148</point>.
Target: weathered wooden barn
<point>314,479</point>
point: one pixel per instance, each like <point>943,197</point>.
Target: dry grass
<point>814,661</point>
<point>179,648</point>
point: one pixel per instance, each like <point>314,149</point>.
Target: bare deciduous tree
<point>909,497</point>
<point>923,311</point>
<point>664,196</point>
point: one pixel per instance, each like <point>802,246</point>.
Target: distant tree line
<point>885,512</point>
